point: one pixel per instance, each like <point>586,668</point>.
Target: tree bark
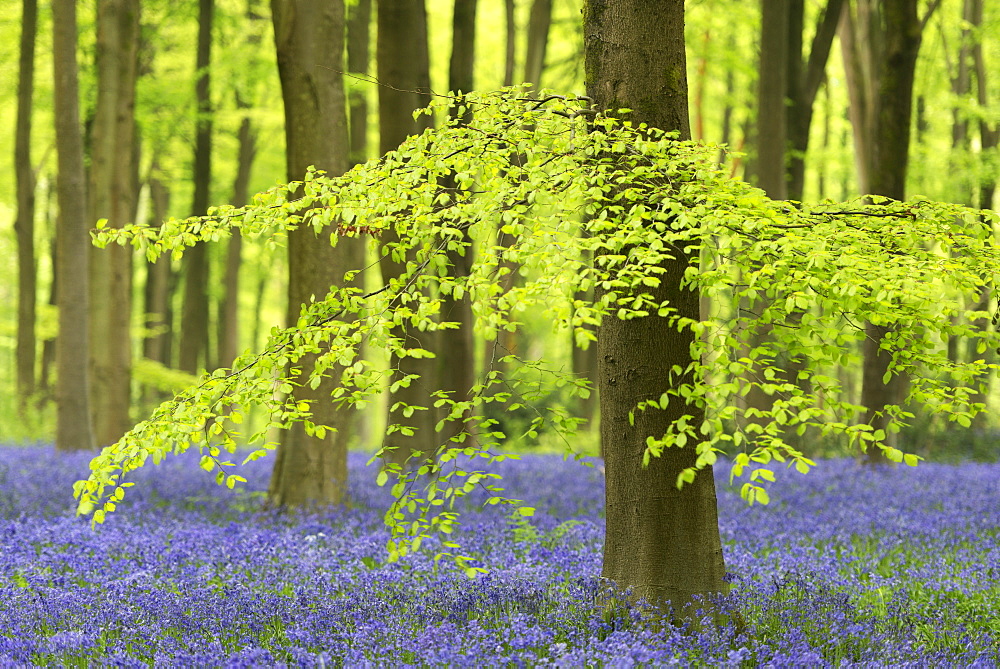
<point>24,224</point>
<point>403,70</point>
<point>510,42</point>
<point>74,429</point>
<point>194,315</point>
<point>882,43</point>
<point>772,136</point>
<point>309,38</point>
<point>113,196</point>
<point>660,541</point>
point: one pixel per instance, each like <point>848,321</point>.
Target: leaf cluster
<point>586,203</point>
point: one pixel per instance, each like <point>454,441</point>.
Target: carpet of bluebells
<point>846,567</point>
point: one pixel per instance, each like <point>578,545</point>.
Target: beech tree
<point>611,177</point>
<point>311,464</point>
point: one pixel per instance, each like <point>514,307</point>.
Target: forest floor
<point>845,566</point>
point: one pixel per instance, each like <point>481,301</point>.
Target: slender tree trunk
<point>661,542</point>
<point>159,314</point>
<point>510,42</point>
<point>805,76</point>
<point>989,140</point>
<point>539,22</point>
<point>772,135</point>
<point>359,18</point>
<point>309,37</point>
<point>74,430</point>
<point>24,224</point>
<point>403,70</point>
<point>194,317</point>
<point>229,334</point>
<point>455,347</point>
<point>113,191</point>
<point>49,344</point>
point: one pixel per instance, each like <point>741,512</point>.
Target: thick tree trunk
<point>113,191</point>
<point>194,315</point>
<point>894,32</point>
<point>403,70</point>
<point>24,224</point>
<point>73,419</point>
<point>661,542</point>
<point>309,37</point>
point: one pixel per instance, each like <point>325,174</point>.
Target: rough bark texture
<point>73,419</point>
<point>309,36</point>
<point>661,542</point>
<point>403,70</point>
<point>194,315</point>
<point>24,224</point>
<point>113,195</point>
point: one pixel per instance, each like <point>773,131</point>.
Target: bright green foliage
<point>568,184</point>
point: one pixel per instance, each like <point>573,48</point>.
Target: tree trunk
<point>888,48</point>
<point>73,418</point>
<point>455,347</point>
<point>194,316</point>
<point>539,22</point>
<point>359,17</point>
<point>510,42</point>
<point>24,224</point>
<point>309,37</point>
<point>805,76</point>
<point>403,71</point>
<point>772,136</point>
<point>113,190</point>
<point>229,312</point>
<point>661,542</point>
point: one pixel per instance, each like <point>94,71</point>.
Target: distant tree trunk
<point>113,191</point>
<point>229,334</point>
<point>772,136</point>
<point>159,313</point>
<point>194,316</point>
<point>661,542</point>
<point>24,224</point>
<point>989,140</point>
<point>49,344</point>
<point>455,347</point>
<point>539,22</point>
<point>359,17</point>
<point>403,70</point>
<point>510,42</point>
<point>73,418</point>
<point>805,76</point>
<point>881,44</point>
<point>309,38</point>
